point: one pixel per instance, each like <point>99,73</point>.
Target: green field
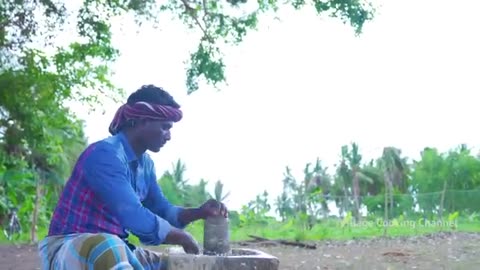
<point>324,230</point>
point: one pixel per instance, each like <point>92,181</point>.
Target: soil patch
<point>433,251</point>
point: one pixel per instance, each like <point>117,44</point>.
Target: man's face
<point>156,134</point>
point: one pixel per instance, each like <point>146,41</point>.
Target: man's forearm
<point>188,215</point>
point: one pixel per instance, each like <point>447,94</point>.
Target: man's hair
<point>154,95</point>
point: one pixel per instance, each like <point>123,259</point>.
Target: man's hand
<point>213,208</point>
<point>210,208</point>
<point>184,239</point>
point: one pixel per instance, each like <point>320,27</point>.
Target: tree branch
<point>262,240</point>
<point>192,12</point>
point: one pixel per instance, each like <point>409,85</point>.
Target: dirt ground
<point>438,251</point>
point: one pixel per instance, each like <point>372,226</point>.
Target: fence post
<point>442,199</point>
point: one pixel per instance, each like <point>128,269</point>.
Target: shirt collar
<point>128,148</point>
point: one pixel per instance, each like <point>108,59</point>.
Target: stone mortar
<point>239,259</point>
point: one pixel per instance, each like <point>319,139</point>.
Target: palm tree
<point>177,178</point>
<point>178,173</point>
<point>340,187</point>
<point>354,162</point>
<point>218,192</point>
<point>283,204</point>
<point>317,188</point>
<point>295,190</point>
<point>395,175</point>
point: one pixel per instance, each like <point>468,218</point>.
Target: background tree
<point>40,77</point>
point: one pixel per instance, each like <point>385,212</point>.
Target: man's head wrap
<point>143,110</point>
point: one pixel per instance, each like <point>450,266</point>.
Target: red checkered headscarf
<point>143,110</point>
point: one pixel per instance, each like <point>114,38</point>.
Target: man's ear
<point>142,122</point>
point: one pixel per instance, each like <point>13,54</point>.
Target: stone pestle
<point>216,236</point>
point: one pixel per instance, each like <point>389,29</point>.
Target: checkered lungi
<point>87,251</point>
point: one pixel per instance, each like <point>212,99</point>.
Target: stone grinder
<point>217,253</point>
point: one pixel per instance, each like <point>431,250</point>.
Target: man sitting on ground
<point>113,191</point>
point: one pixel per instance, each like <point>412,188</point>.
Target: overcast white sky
<point>301,88</point>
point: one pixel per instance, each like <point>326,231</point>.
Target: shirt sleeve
<point>156,200</point>
<point>106,175</point>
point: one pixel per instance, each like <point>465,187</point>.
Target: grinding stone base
<point>240,258</point>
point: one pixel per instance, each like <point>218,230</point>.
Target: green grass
<point>335,231</point>
<point>330,229</point>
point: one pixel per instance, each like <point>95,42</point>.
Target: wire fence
<point>431,205</point>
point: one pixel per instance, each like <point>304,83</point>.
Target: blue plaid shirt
<point>113,191</point>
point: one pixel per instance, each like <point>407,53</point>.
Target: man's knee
<point>103,250</point>
<point>91,243</point>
